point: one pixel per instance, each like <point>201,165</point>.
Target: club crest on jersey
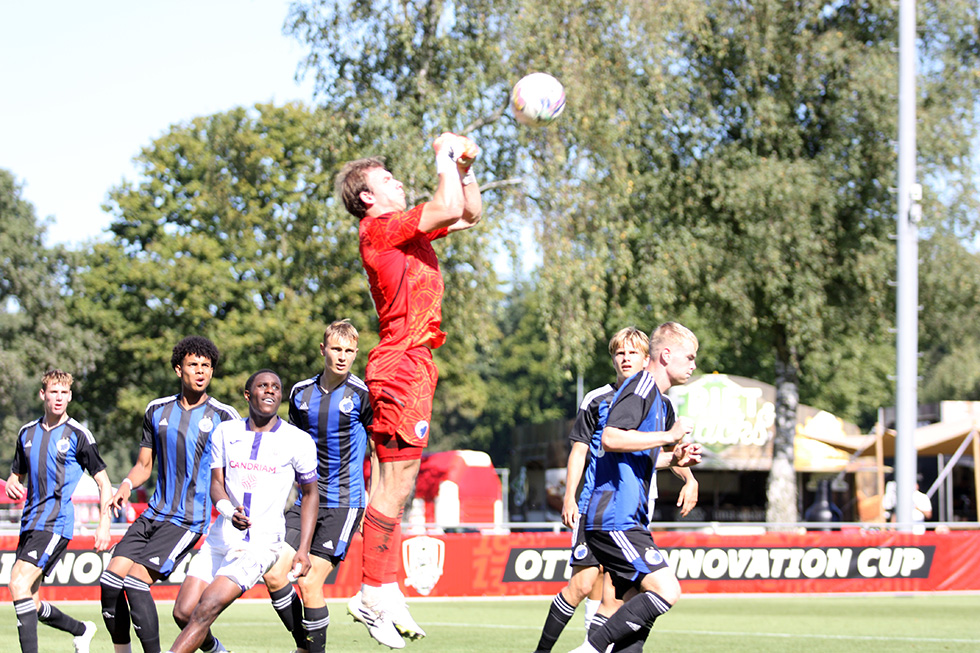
<point>580,552</point>
<point>423,557</point>
<point>346,405</point>
<point>421,429</point>
<point>653,556</point>
<point>64,444</point>
<point>205,425</point>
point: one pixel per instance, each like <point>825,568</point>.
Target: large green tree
<point>36,328</point>
<point>796,186</point>
<point>949,291</point>
<point>228,232</point>
<point>401,75</point>
<point>724,163</point>
<point>758,159</point>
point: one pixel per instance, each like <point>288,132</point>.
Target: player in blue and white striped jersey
<point>628,349</point>
<point>640,421</point>
<point>51,454</point>
<point>177,433</point>
<point>333,408</point>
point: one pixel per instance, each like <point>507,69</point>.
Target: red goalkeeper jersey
<point>406,286</point>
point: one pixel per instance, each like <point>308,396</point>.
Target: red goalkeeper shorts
<point>402,403</point>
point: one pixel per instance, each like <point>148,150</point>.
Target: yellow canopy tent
<point>949,438</point>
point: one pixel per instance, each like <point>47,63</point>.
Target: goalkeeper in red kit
<point>407,288</point>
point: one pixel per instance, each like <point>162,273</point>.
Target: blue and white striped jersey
<point>622,480</point>
<point>52,461</point>
<point>181,443</point>
<point>337,421</point>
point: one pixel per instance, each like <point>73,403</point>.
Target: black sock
<point>598,621</point>
<point>639,611</point>
<point>115,610</point>
<point>146,621</point>
<point>26,625</point>
<point>287,605</point>
<point>558,615</point>
<point>633,643</point>
<point>315,622</point>
<point>52,616</point>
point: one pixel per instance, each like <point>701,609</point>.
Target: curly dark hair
<point>197,346</point>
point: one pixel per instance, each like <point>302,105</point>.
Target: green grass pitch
<point>726,624</point>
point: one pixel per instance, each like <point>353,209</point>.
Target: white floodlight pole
<point>909,212</point>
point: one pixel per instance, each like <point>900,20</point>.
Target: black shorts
<point>157,545</point>
<point>582,555</point>
<point>43,549</point>
<point>628,555</point>
<point>335,528</point>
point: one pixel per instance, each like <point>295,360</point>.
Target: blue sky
<point>85,86</point>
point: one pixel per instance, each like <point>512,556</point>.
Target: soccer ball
<point>537,99</point>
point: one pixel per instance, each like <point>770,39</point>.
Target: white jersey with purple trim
<point>260,469</point>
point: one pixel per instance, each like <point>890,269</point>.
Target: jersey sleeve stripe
<point>591,396</point>
<point>356,382</point>
<point>645,385</point>
<point>223,407</point>
<point>81,429</point>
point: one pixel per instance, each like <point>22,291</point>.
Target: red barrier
<point>470,564</point>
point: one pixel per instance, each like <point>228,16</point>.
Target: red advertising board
<point>471,564</point>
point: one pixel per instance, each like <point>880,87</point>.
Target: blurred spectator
<point>921,505</point>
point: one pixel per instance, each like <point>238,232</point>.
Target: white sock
<point>591,606</point>
<point>123,648</point>
<point>392,590</point>
<point>371,595</point>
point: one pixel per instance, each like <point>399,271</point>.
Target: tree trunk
<point>781,495</point>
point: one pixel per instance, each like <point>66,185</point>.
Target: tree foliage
<point>949,290</point>
<point>725,164</point>
<point>36,328</point>
<point>229,233</point>
<point>731,163</point>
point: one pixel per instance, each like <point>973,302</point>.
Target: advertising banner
<point>536,564</point>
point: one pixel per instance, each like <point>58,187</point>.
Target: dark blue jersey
<point>53,462</point>
<point>337,421</point>
<point>622,480</point>
<point>587,429</point>
<point>181,443</point>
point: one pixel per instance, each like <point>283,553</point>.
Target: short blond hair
<point>341,329</point>
<point>55,377</point>
<point>629,336</point>
<point>671,333</point>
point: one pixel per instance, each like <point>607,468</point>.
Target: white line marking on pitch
<point>722,633</point>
